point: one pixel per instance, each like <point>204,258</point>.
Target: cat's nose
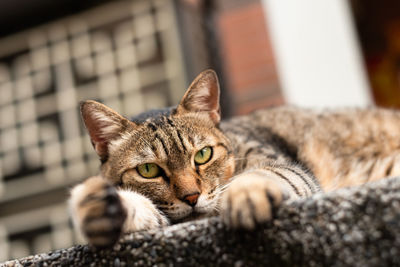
<point>191,199</point>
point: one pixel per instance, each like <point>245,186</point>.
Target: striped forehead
<point>169,137</point>
<point>165,139</point>
<point>181,136</point>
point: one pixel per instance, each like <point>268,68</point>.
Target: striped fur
<point>257,161</point>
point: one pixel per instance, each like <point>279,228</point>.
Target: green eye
<point>149,170</point>
<point>203,155</point>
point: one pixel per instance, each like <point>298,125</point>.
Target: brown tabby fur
<point>257,161</point>
<point>344,147</point>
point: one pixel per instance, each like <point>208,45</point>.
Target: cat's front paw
<point>249,200</point>
<point>98,211</point>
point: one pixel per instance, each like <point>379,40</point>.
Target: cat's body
<point>344,147</point>
<point>183,163</point>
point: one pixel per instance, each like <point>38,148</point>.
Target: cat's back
<point>296,123</point>
<point>342,147</point>
<point>288,122</point>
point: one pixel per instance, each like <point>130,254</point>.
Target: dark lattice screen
<point>125,54</point>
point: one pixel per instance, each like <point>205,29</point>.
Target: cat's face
<point>179,160</point>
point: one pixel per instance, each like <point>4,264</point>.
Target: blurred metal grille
<point>125,54</point>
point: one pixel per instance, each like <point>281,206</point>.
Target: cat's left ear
<point>202,96</point>
<point>104,126</point>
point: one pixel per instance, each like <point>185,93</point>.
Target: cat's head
<point>179,159</point>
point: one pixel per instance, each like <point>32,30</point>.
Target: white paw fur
<point>142,214</point>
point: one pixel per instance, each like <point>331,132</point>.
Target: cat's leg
<point>102,212</point>
<point>251,196</point>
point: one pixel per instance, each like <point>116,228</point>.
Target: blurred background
<point>134,55</point>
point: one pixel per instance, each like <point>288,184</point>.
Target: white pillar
<point>317,53</point>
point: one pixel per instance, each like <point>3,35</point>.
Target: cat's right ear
<point>104,125</point>
<point>202,96</point>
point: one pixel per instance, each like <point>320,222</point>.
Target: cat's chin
<point>193,216</point>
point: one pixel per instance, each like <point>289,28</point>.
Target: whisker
<point>216,209</point>
<point>223,188</point>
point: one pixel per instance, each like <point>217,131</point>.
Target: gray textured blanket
<point>351,227</point>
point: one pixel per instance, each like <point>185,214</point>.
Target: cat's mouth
<point>183,212</point>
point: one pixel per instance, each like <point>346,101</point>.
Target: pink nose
<point>191,199</point>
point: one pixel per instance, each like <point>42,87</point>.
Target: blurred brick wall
<point>248,57</point>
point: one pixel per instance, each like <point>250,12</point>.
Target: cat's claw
<point>249,200</point>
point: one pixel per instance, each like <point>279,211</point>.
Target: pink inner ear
<point>99,141</point>
<point>214,96</point>
<point>203,95</point>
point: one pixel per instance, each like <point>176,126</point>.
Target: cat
<point>182,163</point>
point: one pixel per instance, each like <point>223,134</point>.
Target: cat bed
<point>350,227</point>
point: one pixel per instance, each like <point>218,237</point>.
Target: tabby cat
<point>182,163</point>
